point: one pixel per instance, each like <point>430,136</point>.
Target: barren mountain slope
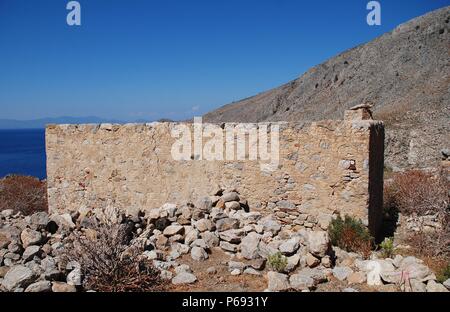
<point>405,74</point>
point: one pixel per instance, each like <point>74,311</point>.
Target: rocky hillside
<point>405,74</point>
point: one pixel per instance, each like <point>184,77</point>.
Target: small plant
<point>444,274</point>
<point>387,247</point>
<point>109,264</point>
<point>351,235</point>
<point>277,262</point>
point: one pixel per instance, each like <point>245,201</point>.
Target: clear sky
<point>148,59</point>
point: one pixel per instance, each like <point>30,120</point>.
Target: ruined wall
<point>323,169</point>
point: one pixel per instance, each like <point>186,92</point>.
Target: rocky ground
<point>215,244</point>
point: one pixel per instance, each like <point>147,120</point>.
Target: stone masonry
<point>325,168</point>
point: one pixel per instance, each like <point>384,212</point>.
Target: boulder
<point>231,236</point>
<point>184,278</point>
<point>249,246</point>
<point>342,272</point>
<point>198,254</point>
<point>290,246</point>
<point>226,224</point>
<point>432,286</point>
<point>270,225</point>
<point>204,203</point>
<point>39,220</point>
<point>204,225</point>
<point>18,276</point>
<point>30,252</point>
<point>62,287</point>
<point>4,240</point>
<point>233,205</point>
<point>318,243</point>
<point>210,239</point>
<point>447,283</point>
<point>228,246</point>
<point>30,237</point>
<point>277,281</point>
<point>74,277</point>
<point>312,261</point>
<point>357,278</point>
<point>229,197</point>
<point>41,286</point>
<point>301,282</point>
<point>173,229</point>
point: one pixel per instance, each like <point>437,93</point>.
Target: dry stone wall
<point>324,168</point>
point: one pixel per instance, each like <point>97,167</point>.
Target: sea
<point>23,152</point>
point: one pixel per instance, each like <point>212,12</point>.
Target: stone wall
<point>325,168</point>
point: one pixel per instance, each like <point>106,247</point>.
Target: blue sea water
<point>23,152</point>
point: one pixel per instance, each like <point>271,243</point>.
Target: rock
<point>341,273</point>
<point>7,213</point>
<point>292,263</point>
<point>4,241</point>
<point>229,197</point>
<point>432,286</point>
<point>211,270</point>
<point>18,276</point>
<point>284,204</point>
<point>232,265</point>
<point>447,283</point>
<point>183,268</point>
<point>326,262</point>
<point>210,239</point>
<point>41,286</point>
<point>417,286</point>
<point>277,281</point>
<point>184,278</point>
<point>198,254</point>
<point>258,264</point>
<point>154,254</point>
<point>316,274</point>
<point>270,225</point>
<point>356,278</point>
<point>374,273</point>
<point>312,261</point>
<point>170,209</point>
<point>324,220</point>
<point>249,246</point>
<point>318,243</point>
<point>173,229</point>
<point>301,282</point>
<point>231,236</point>
<point>228,246</point>
<point>349,289</point>
<point>30,237</point>
<point>191,236</point>
<point>290,246</point>
<point>30,252</point>
<point>204,203</point>
<point>3,271</point>
<point>233,205</point>
<point>39,220</point>
<point>199,243</point>
<point>63,287</point>
<point>251,271</point>
<point>74,277</point>
<point>63,221</point>
<point>204,225</point>
<point>235,272</point>
<point>226,224</point>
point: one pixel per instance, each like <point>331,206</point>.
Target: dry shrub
<point>109,264</point>
<point>351,235</point>
<point>417,192</point>
<point>23,194</point>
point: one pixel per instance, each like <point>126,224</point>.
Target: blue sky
<point>146,59</point>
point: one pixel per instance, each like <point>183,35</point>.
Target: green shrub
<point>387,247</point>
<point>277,262</point>
<point>351,235</point>
<point>444,274</point>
